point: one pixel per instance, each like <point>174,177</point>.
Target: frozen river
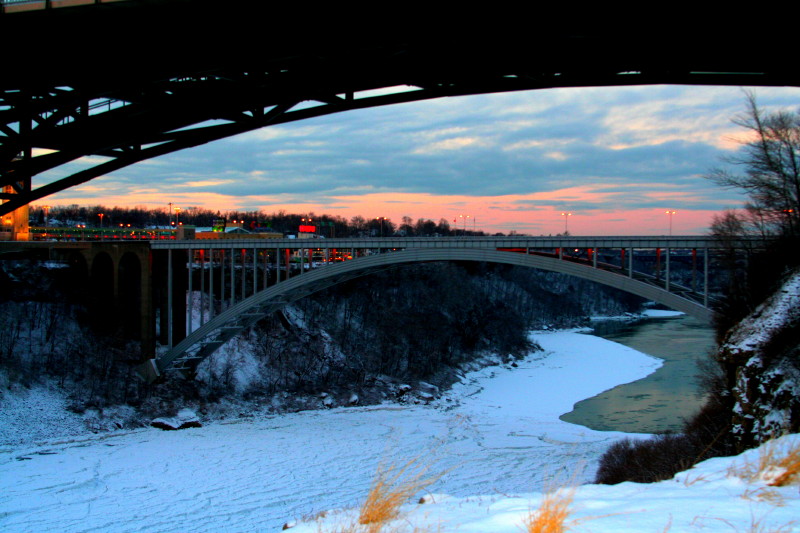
<point>498,432</point>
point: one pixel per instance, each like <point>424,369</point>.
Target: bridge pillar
<point>189,289</point>
<point>658,264</point>
<point>630,262</point>
<point>221,279</point>
<point>233,279</point>
<point>255,270</point>
<point>705,277</point>
<point>277,265</point>
<point>202,286</point>
<point>666,275</point>
<point>211,284</point>
<point>169,294</point>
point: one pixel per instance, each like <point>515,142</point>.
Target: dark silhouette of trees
<point>767,170</point>
<point>770,174</point>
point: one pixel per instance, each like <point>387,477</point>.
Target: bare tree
<point>770,163</point>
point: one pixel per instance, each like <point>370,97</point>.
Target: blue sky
<point>616,158</point>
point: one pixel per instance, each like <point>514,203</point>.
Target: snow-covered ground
<point>496,439</point>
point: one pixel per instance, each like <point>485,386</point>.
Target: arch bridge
<point>212,290</point>
<point>92,86</point>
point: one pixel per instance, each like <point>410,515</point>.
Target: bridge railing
<point>12,6</point>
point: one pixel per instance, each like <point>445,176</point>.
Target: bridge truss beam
<point>144,94</point>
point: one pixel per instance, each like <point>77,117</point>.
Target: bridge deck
<point>613,242</point>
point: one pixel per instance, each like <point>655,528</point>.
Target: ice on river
<point>495,434</point>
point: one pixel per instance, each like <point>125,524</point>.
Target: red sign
<point>308,229</point>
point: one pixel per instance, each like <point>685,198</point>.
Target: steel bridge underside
<point>114,84</point>
<point>389,253</point>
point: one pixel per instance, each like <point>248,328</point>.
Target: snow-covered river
<point>498,432</point>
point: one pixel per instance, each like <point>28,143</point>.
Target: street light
<point>670,213</point>
<point>566,221</point>
<point>101,215</point>
<point>46,218</point>
<point>464,218</point>
<point>381,219</point>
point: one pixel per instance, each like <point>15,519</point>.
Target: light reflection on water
<point>662,400</point>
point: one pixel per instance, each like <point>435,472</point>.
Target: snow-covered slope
<point>722,494</point>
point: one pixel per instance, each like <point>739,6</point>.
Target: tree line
<point>280,221</point>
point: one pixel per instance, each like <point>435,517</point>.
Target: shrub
<point>647,461</point>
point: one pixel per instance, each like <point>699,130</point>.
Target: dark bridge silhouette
<point>129,80</point>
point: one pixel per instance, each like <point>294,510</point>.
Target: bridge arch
<point>214,333</point>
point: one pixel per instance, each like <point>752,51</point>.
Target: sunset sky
<point>616,158</point>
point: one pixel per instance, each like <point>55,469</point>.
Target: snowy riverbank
<point>496,434</point>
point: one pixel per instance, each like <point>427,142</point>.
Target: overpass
<point>105,84</point>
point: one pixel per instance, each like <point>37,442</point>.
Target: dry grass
<point>778,465</point>
<point>357,528</point>
<point>760,525</point>
<point>391,488</point>
<point>763,494</point>
<point>551,516</point>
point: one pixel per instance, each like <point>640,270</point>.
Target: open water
<point>662,400</point>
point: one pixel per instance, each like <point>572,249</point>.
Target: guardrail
<point>17,6</point>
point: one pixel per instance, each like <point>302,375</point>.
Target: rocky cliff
<point>761,356</point>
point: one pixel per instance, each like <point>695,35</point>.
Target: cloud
<point>207,183</point>
<point>616,153</point>
<point>454,143</point>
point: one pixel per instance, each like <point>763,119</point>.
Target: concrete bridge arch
<point>208,337</point>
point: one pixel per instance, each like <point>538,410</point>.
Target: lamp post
<point>46,218</point>
<point>101,215</point>
<point>177,216</point>
<point>566,216</point>
<point>670,213</point>
<point>381,219</point>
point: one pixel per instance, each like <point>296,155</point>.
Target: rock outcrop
<point>762,358</point>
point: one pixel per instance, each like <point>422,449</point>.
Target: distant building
<point>14,226</point>
<point>235,232</point>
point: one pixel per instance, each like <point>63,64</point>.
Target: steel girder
<point>110,85</point>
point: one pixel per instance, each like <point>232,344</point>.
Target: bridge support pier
<point>705,277</point>
<point>170,294</point>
